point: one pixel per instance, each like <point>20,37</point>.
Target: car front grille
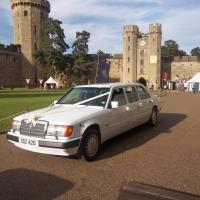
<point>29,129</point>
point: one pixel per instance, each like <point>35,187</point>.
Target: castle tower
<point>129,71</point>
<point>142,55</point>
<point>28,17</point>
<point>154,44</point>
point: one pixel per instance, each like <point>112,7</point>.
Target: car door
<point>144,104</point>
<point>133,114</point>
<point>116,118</point>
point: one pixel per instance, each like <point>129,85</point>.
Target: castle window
<point>129,38</point>
<point>129,48</point>
<point>35,30</point>
<point>142,71</point>
<point>18,26</point>
<point>128,70</point>
<point>25,13</point>
<point>141,62</point>
<point>35,46</point>
<point>142,53</point>
<point>128,59</point>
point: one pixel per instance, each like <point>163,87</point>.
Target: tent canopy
<point>51,81</point>
<point>195,79</point>
<point>194,83</point>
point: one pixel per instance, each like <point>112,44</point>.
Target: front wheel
<point>154,117</point>
<point>90,144</point>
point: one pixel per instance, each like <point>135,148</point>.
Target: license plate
<point>30,142</point>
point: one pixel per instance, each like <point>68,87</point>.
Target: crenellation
<point>11,48</point>
<point>42,4</point>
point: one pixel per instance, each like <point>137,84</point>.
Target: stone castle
<point>28,19</point>
<point>140,61</point>
<point>142,55</point>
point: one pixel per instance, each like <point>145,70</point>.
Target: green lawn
<point>19,100</point>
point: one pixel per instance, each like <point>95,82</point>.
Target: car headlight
<point>16,125</point>
<point>60,131</point>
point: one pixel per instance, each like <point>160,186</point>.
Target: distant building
<point>141,60</point>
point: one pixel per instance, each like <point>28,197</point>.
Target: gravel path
<point>167,155</point>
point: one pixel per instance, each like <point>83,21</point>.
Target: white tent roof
<point>195,79</point>
<point>51,81</point>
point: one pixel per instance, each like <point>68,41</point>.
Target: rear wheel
<point>90,144</point>
<point>154,117</point>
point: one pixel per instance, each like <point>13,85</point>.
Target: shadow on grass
<point>140,135</point>
<point>26,184</point>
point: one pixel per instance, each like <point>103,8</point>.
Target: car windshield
<point>80,94</point>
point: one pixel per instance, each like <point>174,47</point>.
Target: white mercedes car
<point>85,117</point>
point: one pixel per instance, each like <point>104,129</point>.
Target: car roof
<point>109,85</point>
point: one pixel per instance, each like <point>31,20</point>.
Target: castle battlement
<point>186,59</point>
<point>131,28</point>
<point>155,28</point>
<point>33,3</point>
<point>11,48</point>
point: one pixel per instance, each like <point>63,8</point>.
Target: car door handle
<point>140,105</point>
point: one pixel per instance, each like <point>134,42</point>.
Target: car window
<point>81,94</point>
<point>118,95</point>
<point>142,93</point>
<point>97,102</point>
<point>131,94</point>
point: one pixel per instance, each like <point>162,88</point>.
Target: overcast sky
<point>105,19</point>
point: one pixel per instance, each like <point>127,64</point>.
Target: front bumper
<point>46,146</point>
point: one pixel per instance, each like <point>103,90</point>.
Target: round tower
<point>129,71</point>
<point>28,18</point>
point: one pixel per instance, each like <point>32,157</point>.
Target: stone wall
<point>115,71</point>
<point>185,67</point>
<point>10,68</point>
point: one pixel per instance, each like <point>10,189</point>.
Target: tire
<point>90,145</point>
<point>154,117</point>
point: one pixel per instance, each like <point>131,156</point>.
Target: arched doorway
<point>142,81</point>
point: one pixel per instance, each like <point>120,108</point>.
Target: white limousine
<point>85,117</point>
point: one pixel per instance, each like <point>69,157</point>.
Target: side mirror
<point>55,102</point>
<point>114,104</point>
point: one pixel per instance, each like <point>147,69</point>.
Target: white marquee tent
<point>194,83</point>
<point>51,82</point>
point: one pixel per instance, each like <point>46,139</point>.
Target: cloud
<point>105,19</point>
<point>5,4</point>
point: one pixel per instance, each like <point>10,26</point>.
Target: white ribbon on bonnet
<point>33,119</point>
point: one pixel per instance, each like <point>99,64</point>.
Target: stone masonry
<point>10,66</point>
<point>28,18</point>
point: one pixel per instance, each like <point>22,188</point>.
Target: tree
<point>171,49</point>
<point>80,46</point>
<point>83,64</point>
<point>50,54</point>
<point>195,52</point>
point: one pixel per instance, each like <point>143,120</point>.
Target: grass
<point>20,100</point>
